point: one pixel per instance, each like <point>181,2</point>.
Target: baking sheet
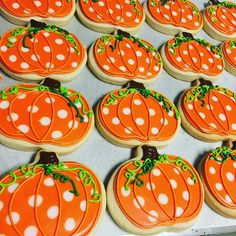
<point>102,156</point>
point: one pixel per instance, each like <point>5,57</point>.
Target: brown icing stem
<point>202,81</point>
<point>230,144</point>
<point>48,158</point>
<point>149,152</point>
<point>189,35</point>
<point>214,2</point>
<point>51,83</point>
<point>136,85</point>
<point>37,24</point>
<point>124,33</point>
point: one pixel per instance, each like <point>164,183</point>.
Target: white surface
<point>102,156</point>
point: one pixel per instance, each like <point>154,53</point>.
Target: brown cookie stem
<point>149,152</point>
<point>48,158</point>
<point>134,84</point>
<point>51,83</point>
<point>230,144</point>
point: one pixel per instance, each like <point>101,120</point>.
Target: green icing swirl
<point>232,44</point>
<point>221,154</point>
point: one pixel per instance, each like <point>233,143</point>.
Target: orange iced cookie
<point>40,51</point>
<point>220,20</point>
<point>218,175</point>
<point>51,198</point>
<point>108,15</point>
<point>20,12</point>
<point>120,58</point>
<point>208,112</point>
<point>153,193</point>
<point>187,58</point>
<point>46,116</point>
<point>173,16</point>
<point>229,53</point>
<point>132,116</point>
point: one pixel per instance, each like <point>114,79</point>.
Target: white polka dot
<point>230,176</point>
<point>12,188</point>
<point>101,4</point>
<point>185,195</point>
<point>183,20</point>
<point>194,59</point>
<point>179,59</point>
<point>4,104</point>
<point>190,17</point>
<point>59,41</point>
<point>190,106</point>
<point>156,172</point>
<point>150,186</point>
<point>105,111</point>
<point>228,108</point>
<point>219,186</point>
<point>122,68</point>
<point>128,130</point>
<point>131,61</point>
<point>196,23</point>
<point>137,102</point>
<point>211,60</point>
<point>1,205</point>
<point>34,57</point>
<point>35,203</point>
<point>209,107</point>
<point>166,16</point>
<point>128,45</point>
<point>222,117</point>
<point>32,109</point>
<point>46,34</point>
<point>173,183</point>
<point>58,3</point>
<point>141,69</point>
<point>12,58</point>
<point>118,6</point>
<point>60,57</point>
<point>56,134</point>
<point>185,52</point>
<point>156,68</point>
<point>91,9</point>
<point>128,14</point>
<point>139,202</point>
<point>47,49</point>
<point>112,59</point>
<point>31,231</point>
<point>110,11</point>
<point>174,13</point>
<point>149,73</point>
<point>49,182</point>
<point>139,53</point>
<point>23,128</point>
<point>69,224</point>
<point>122,53</point>
<point>213,125</point>
<point>219,67</point>
<point>24,49</point>
<point>234,164</point>
<point>53,212</point>
<point>116,121</point>
<point>83,205</point>
<point>228,198</point>
<point>62,114</point>
<point>176,171</point>
<point>68,196</point>
<point>153,213</point>
<point>3,48</point>
<point>45,121</point>
<point>163,198</point>
<point>170,113</point>
<point>201,54</point>
<point>74,64</point>
<point>212,170</point>
<point>202,115</point>
<point>37,3</point>
<point>15,5</point>
<point>106,67</point>
<point>214,98</point>
<point>190,47</point>
<point>205,66</point>
<point>73,124</point>
<point>154,130</point>
<point>139,121</point>
<point>125,192</point>
<point>164,121</point>
<point>15,218</point>
<point>126,111</point>
<point>190,181</point>
<point>151,112</point>
<point>179,211</point>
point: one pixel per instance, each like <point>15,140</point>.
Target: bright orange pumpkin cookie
<point>220,20</point>
<point>208,112</point>
<point>229,53</point>
<point>50,198</point>
<point>108,15</point>
<point>40,51</point>
<point>120,58</point>
<point>46,116</point>
<point>187,58</point>
<point>135,115</point>
<point>153,193</point>
<point>20,12</point>
<point>217,171</point>
<point>173,16</point>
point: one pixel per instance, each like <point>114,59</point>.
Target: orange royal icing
<point>210,109</point>
<point>169,193</point>
<point>30,8</point>
<point>48,51</point>
<point>179,13</point>
<point>125,57</point>
<point>219,176</point>
<point>222,18</point>
<point>39,204</point>
<point>32,113</point>
<point>229,51</point>
<point>124,13</point>
<point>194,55</point>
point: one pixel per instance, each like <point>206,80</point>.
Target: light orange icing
<point>47,52</point>
<point>168,196</point>
<point>229,52</point>
<point>128,59</point>
<point>43,117</point>
<point>124,13</point>
<point>193,56</point>
<point>178,13</point>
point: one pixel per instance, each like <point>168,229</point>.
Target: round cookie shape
<point>108,15</point>
<point>51,12</point>
<point>218,175</point>
<point>173,16</point>
<point>151,194</point>
<point>120,58</point>
<point>132,116</point>
<point>220,20</point>
<point>229,53</point>
<point>187,58</point>
<point>51,198</point>
<point>34,53</point>
<point>207,112</point>
<point>40,116</point>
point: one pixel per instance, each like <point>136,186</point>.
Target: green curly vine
<point>221,154</point>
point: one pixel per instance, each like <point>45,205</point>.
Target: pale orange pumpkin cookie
<point>153,193</point>
<point>122,57</point>
<point>50,198</point>
<point>40,51</point>
<point>20,12</point>
<point>229,53</point>
<point>46,116</point>
<point>108,15</point>
<point>173,16</point>
<point>220,20</point>
<point>135,115</point>
<point>187,58</point>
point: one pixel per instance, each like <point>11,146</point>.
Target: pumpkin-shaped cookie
<point>131,116</point>
<point>46,116</point>
<point>173,16</point>
<point>57,12</point>
<point>208,112</point>
<point>187,58</point>
<point>50,198</point>
<point>229,53</point>
<point>108,15</point>
<point>153,193</point>
<point>32,53</point>
<point>120,58</point>
<point>220,20</point>
<point>217,171</point>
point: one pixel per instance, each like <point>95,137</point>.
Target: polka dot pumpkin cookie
<point>187,58</point>
<point>51,198</point>
<point>46,116</point>
<point>120,58</point>
<point>108,15</point>
<point>132,116</point>
<point>20,12</point>
<point>40,51</point>
<point>153,193</point>
<point>220,20</point>
<point>173,16</point>
<point>217,171</point>
<point>208,112</point>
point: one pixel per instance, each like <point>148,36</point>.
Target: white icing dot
<point>228,51</point>
<point>190,47</point>
<point>12,188</point>
<point>73,124</point>
<point>190,181</point>
<point>112,59</point>
<point>83,205</point>
<point>23,49</point>
<point>34,57</point>
<point>31,231</point>
<point>110,11</point>
<point>213,125</point>
<point>210,60</point>
<point>183,20</point>
<point>201,54</point>
<point>176,171</point>
<point>37,3</point>
<point>74,64</point>
<point>12,58</point>
<point>24,65</point>
<point>116,121</point>
<point>190,17</point>
<point>46,34</point>
<point>214,98</point>
<point>101,4</point>
<point>228,108</point>
<point>173,183</point>
<point>68,196</point>
<point>122,53</point>
<point>49,182</point>
<point>62,114</point>
<point>69,224</point>
<point>91,9</point>
<point>156,172</point>
<point>86,119</point>
<point>153,213</point>
<point>53,212</point>
<point>219,67</point>
<point>23,128</point>
<point>128,14</point>
<point>174,13</point>
<point>3,48</point>
<point>137,102</point>
<point>140,201</point>
<point>170,113</point>
<point>15,218</point>
<point>219,186</point>
<point>156,68</point>
<point>202,115</point>
<point>49,65</point>
<point>154,130</point>
<point>126,111</point>
<point>167,6</point>
<point>125,192</point>
<point>190,106</point>
<point>209,107</point>
<point>230,176</point>
<point>166,16</point>
<point>205,66</point>
<point>45,121</point>
<point>185,52</point>
<point>196,23</point>
<point>147,60</point>
<point>158,10</point>
<point>194,59</point>
<point>151,112</point>
<point>59,41</point>
<point>228,198</point>
<point>163,198</point>
<point>32,109</point>
<point>212,170</point>
<point>185,195</point>
<point>234,164</point>
<point>106,67</point>
<point>139,53</point>
<point>150,186</point>
<point>35,203</point>
<point>179,211</point>
<point>141,69</point>
<point>149,73</point>
<point>131,61</point>
<point>139,121</point>
<point>15,5</point>
<point>56,134</point>
<point>128,130</point>
<point>122,68</point>
<point>1,205</point>
<point>58,3</point>
<point>164,121</point>
<point>127,45</point>
<point>118,6</point>
<point>4,104</point>
<point>222,117</point>
<point>105,111</point>
<point>47,49</point>
<point>179,59</point>
<point>60,57</point>
<point>136,20</point>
